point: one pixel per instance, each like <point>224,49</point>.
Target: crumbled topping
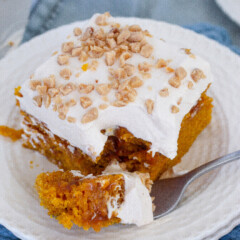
<point>46,100</point>
<point>146,50</point>
<point>65,73</point>
<point>66,89</point>
<point>164,92</point>
<point>85,88</point>
<point>124,56</point>
<point>169,69</point>
<point>180,73</point>
<point>87,34</point>
<point>146,75</point>
<point>135,47</point>
<point>34,83</point>
<point>110,58</point>
<point>129,69</point>
<point>197,74</point>
<point>38,100</point>
<point>67,47</point>
<point>135,82</point>
<point>111,43</point>
<point>174,82</point>
<point>83,56</point>
<point>63,59</point>
<point>149,105</point>
<point>136,37</point>
<point>135,28</point>
<point>71,119</point>
<point>103,106</point>
<point>77,31</point>
<point>174,109</point>
<point>101,20</point>
<point>123,36</point>
<point>179,101</point>
<point>42,90</point>
<point>103,89</point>
<point>144,67</point>
<point>76,51</point>
<point>85,102</point>
<point>71,103</point>
<point>53,92</point>
<point>161,63</point>
<point>89,116</point>
<point>190,85</point>
<point>62,116</point>
<point>93,65</point>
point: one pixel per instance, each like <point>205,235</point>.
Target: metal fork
<point>169,192</point>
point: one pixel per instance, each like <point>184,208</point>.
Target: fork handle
<point>197,172</point>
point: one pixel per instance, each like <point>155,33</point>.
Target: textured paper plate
<point>231,8</point>
<point>211,206</point>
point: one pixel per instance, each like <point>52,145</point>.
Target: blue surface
<point>203,17</point>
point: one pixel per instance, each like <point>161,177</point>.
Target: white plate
<point>231,8</point>
<point>211,206</point>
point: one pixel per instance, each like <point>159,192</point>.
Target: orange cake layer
<point>130,151</point>
<point>74,200</point>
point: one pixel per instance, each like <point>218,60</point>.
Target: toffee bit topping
<point>83,56</point>
<point>135,28</point>
<point>124,56</point>
<point>135,82</point>
<point>85,102</point>
<point>50,81</point>
<point>95,52</point>
<point>123,36</point>
<point>179,101</point>
<point>103,89</point>
<point>70,103</point>
<point>46,100</point>
<point>87,34</point>
<point>103,106</point>
<point>38,100</point>
<point>146,75</point>
<point>77,31</point>
<point>53,92</point>
<point>67,47</point>
<point>136,37</point>
<point>111,43</point>
<point>101,20</point>
<point>135,47</point>
<point>93,66</point>
<point>90,116</point>
<point>66,89</point>
<point>119,103</point>
<point>149,105</point>
<point>197,74</point>
<point>42,90</point>
<point>129,69</point>
<point>144,67</point>
<point>174,82</point>
<point>169,69</point>
<point>180,73</point>
<point>110,58</point>
<point>63,59</point>
<point>62,108</point>
<point>190,85</point>
<point>66,73</point>
<point>118,74</point>
<point>71,119</point>
<point>62,116</point>
<point>57,99</point>
<point>34,83</point>
<point>161,63</point>
<point>85,67</point>
<point>164,92</point>
<point>146,50</point>
<point>76,51</point>
<point>85,88</point>
<point>174,109</point>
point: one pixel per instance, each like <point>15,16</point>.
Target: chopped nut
<point>87,34</point>
<point>161,63</point>
<point>124,56</point>
<point>135,82</point>
<point>46,100</point>
<point>101,20</point>
<point>146,50</point>
<point>119,103</point>
<point>113,33</point>
<point>76,51</point>
<point>180,73</point>
<point>66,89</point>
<point>135,47</point>
<point>190,85</point>
<point>71,119</point>
<point>110,58</point>
<point>63,59</point>
<point>34,83</point>
<point>144,67</point>
<point>103,89</point>
<point>169,69</point>
<point>136,37</point>
<point>70,103</point>
<point>96,52</point>
<point>101,43</point>
<point>94,65</point>
<point>85,67</point>
<point>77,31</point>
<point>91,115</point>
<point>85,102</point>
<point>42,90</point>
<point>127,95</point>
<point>57,99</point>
<point>62,116</point>
<point>197,74</point>
<point>53,92</point>
<point>62,108</point>
<point>83,56</point>
<point>146,75</point>
<point>66,73</point>
<point>115,84</point>
<point>123,36</point>
<point>164,92</point>
<point>174,109</point>
<point>135,28</point>
<point>149,105</point>
<point>118,74</point>
<point>174,82</point>
<point>124,85</point>
<point>179,101</point>
<point>38,100</point>
<point>67,47</point>
<point>100,35</point>
<point>111,43</point>
<point>129,69</point>
<point>103,106</point>
<point>84,88</point>
<point>50,81</point>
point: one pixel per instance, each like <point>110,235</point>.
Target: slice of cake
<point>114,91</point>
<point>88,201</point>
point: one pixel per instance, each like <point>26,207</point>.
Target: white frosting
<point>137,205</point>
<point>161,128</point>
